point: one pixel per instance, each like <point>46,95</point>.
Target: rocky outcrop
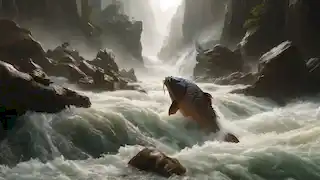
<point>101,73</point>
<point>283,75</point>
<point>217,62</point>
<point>152,160</point>
<point>21,92</point>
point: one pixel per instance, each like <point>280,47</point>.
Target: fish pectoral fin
<point>173,108</point>
<point>208,97</point>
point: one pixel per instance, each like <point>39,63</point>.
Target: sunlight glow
<point>167,4</point>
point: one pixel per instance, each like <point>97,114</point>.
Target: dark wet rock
<point>152,160</point>
<point>217,62</point>
<point>20,92</point>
<point>282,74</point>
<point>237,78</point>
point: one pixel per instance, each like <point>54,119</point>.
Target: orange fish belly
<point>187,111</point>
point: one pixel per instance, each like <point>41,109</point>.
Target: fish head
<point>177,87</point>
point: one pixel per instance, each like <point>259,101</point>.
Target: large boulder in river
<point>217,62</point>
<point>282,74</point>
<point>152,160</point>
<point>20,92</point>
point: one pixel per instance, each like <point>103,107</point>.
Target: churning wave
<point>278,143</point>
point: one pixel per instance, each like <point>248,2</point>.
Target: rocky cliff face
<point>263,24</point>
<point>197,16</point>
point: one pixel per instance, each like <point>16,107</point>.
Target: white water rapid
<point>277,143</point>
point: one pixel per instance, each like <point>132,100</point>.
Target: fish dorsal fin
<point>173,108</point>
<point>208,97</point>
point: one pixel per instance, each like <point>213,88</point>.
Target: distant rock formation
<point>62,19</point>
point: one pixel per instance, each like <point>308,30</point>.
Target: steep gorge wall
<point>274,22</point>
<point>197,16</point>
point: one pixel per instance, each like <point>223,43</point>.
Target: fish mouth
<point>166,83</point>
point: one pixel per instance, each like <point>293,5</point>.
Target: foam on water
<point>276,142</point>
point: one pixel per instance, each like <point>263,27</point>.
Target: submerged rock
<point>152,160</point>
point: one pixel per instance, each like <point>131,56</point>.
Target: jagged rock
<point>152,160</point>
<point>218,62</point>
<point>65,54</point>
<point>282,74</point>
<point>129,75</point>
<point>100,74</point>
<point>20,92</point>
<point>105,59</point>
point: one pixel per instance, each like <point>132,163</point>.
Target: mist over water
<point>276,143</point>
